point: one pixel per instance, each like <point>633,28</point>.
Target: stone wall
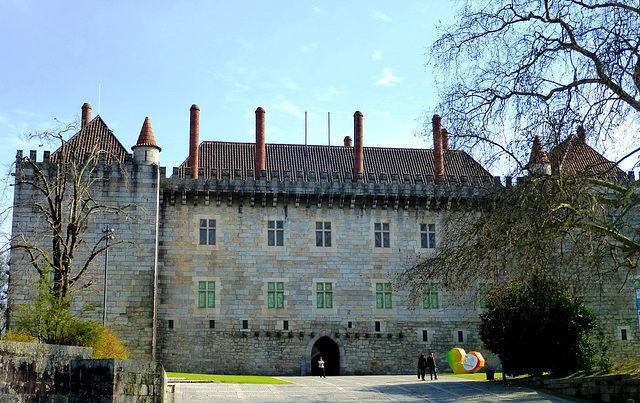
<point>613,389</point>
<point>29,371</point>
<point>105,381</point>
<point>131,279</point>
<point>212,340</point>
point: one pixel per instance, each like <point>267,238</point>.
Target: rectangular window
<point>349,324</point>
<point>323,234</point>
<point>206,294</point>
<point>430,296</point>
<point>425,335</point>
<point>170,323</point>
<point>460,336</point>
<point>381,235</point>
<point>377,326</point>
<point>245,324</point>
<point>324,295</point>
<point>275,233</point>
<point>285,325</point>
<point>427,236</point>
<point>623,334</point>
<point>275,295</point>
<point>212,324</point>
<point>207,232</point>
<point>483,294</point>
<point>383,295</point>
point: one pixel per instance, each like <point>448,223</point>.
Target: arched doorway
<point>327,349</point>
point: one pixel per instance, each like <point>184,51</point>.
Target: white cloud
<point>286,106</point>
<point>318,10</point>
<point>245,44</point>
<point>389,79</point>
<point>328,94</point>
<point>289,83</point>
<point>377,55</point>
<point>380,16</point>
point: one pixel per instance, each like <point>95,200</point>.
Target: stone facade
<point>258,311</point>
<point>242,264</point>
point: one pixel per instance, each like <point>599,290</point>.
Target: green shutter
<point>329,299</point>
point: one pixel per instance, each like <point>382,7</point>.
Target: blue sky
<point>158,58</point>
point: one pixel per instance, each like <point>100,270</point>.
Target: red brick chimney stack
<point>261,150</point>
<point>445,139</point>
<point>194,139</point>
<point>582,134</point>
<point>438,161</point>
<point>358,158</point>
<point>348,141</point>
<point>86,114</point>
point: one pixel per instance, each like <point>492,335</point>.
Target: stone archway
<point>329,351</point>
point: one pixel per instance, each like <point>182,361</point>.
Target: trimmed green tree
<point>535,326</point>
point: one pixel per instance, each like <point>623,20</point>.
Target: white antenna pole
<point>99,97</point>
<point>328,128</point>
<point>305,128</point>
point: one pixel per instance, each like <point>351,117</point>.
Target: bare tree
<point>509,70</point>
<point>580,228</point>
<point>61,195</point>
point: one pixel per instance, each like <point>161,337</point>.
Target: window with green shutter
<point>324,295</point>
<point>430,296</point>
<point>275,295</point>
<point>206,294</point>
<point>383,295</point>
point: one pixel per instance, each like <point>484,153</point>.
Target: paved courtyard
<point>399,388</point>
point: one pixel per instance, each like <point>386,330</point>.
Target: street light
<point>108,234</point>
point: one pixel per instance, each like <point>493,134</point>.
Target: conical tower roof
<point>146,138</point>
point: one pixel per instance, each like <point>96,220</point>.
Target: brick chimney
<point>194,139</point>
<point>261,150</point>
<point>86,114</point>
<point>438,161</point>
<point>358,159</point>
<point>445,139</point>
<point>582,134</point>
<point>348,141</point>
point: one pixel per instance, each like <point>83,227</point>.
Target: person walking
<point>321,368</point>
<point>422,366</point>
<point>431,363</point>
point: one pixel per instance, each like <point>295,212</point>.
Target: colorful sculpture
<point>463,363</point>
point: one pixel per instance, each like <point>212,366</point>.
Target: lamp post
<point>108,234</point>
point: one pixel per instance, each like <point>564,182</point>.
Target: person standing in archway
<point>321,368</point>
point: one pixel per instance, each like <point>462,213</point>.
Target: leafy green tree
<point>536,326</point>
<point>49,320</point>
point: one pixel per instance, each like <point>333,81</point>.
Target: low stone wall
<point>613,388</point>
<point>108,381</point>
<point>31,372</point>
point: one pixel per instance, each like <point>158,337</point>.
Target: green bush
<point>49,320</point>
<point>534,326</point>
<point>108,346</point>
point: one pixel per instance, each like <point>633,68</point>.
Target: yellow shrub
<point>15,335</point>
<point>108,346</point>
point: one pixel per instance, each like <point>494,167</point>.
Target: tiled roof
<point>538,154</point>
<point>575,156</point>
<point>146,137</point>
<point>334,159</point>
<point>94,136</point>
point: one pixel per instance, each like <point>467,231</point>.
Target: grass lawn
<point>270,380</point>
<point>478,376</point>
<point>228,378</point>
